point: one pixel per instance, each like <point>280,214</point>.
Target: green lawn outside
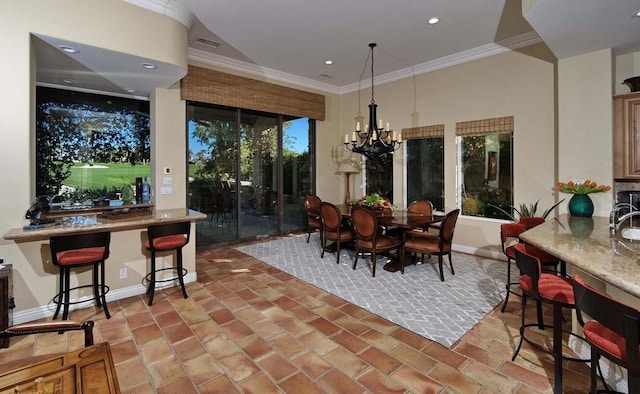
<point>117,174</point>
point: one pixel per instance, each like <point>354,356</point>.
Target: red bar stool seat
<point>80,250</point>
<point>167,238</point>
<point>551,289</point>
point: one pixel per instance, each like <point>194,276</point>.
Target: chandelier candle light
<point>374,140</point>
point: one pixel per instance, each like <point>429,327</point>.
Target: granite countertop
<point>75,223</point>
<point>586,243</point>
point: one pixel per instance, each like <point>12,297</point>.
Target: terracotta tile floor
<point>247,327</point>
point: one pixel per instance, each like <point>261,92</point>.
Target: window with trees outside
<point>425,164</point>
<point>89,147</point>
<point>485,167</point>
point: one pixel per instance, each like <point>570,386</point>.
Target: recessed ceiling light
<point>636,14</point>
<point>433,21</point>
<point>69,81</point>
<point>328,62</point>
<point>130,90</point>
<point>68,49</point>
<point>149,66</point>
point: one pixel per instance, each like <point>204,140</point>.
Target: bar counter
<point>586,244</point>
<point>77,223</point>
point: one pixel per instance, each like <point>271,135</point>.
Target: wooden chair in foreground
<point>368,237</point>
<point>439,245</point>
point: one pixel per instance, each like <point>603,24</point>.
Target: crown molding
<point>513,43</point>
<point>198,55</point>
<point>480,52</point>
<point>171,8</point>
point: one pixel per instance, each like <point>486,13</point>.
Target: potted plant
<point>528,214</point>
<point>580,203</point>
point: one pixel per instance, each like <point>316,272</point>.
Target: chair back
<point>312,204</point>
<point>176,234</point>
<point>424,207</point>
<point>365,223</point>
<point>64,243</point>
<point>612,314</point>
<point>330,216</point>
<point>529,266</point>
<point>447,228</point>
<point>510,232</point>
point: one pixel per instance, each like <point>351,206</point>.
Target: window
<point>425,164</point>
<point>485,166</point>
<point>379,176</point>
<point>89,146</point>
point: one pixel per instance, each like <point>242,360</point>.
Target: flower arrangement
<point>586,187</point>
<point>375,201</point>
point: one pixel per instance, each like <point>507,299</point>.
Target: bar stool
<point>165,238</point>
<point>551,289</point>
<point>612,332</point>
<point>80,250</point>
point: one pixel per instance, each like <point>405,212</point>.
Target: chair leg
<point>440,267</point>
<point>523,303</point>
<point>65,308</point>
<point>373,262</point>
<point>540,318</point>
<point>152,279</point>
<point>96,282</point>
<point>309,236</point>
<point>60,293</point>
<point>180,275</point>
<point>508,286</point>
<point>355,261</point>
<point>338,250</point>
<point>594,364</point>
<point>323,246</point>
<point>103,289</point>
<point>453,272</point>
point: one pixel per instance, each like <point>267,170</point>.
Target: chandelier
<point>374,140</point>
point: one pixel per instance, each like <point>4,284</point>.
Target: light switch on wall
<point>166,180</point>
<point>165,190</point>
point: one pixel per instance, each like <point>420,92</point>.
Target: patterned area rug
<point>417,300</point>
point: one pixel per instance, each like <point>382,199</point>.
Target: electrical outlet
<point>167,170</point>
<point>123,273</point>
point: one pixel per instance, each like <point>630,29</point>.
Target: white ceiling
<point>289,40</point>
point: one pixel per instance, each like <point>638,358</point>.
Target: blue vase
<point>581,205</point>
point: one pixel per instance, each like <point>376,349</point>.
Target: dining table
<point>402,220</point>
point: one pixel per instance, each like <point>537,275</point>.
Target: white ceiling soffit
<point>574,27</point>
<point>99,69</point>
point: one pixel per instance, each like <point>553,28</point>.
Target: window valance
<point>416,133</point>
<point>485,126</point>
<point>215,87</point>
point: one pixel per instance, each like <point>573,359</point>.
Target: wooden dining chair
<point>369,238</point>
<point>312,210</point>
<point>439,245</point>
<point>333,229</point>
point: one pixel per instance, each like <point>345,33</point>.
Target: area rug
<point>417,300</point>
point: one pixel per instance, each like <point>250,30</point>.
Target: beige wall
<point>110,24</point>
<point>508,84</point>
<point>585,122</point>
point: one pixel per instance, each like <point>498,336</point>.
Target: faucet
<point>615,221</point>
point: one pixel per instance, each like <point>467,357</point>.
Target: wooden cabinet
<point>6,301</point>
<point>626,136</point>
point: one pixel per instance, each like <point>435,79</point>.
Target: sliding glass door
<point>248,171</point>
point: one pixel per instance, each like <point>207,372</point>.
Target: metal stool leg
<point>65,308</point>
<point>60,293</point>
<point>180,272</point>
<point>103,289</point>
<point>152,279</point>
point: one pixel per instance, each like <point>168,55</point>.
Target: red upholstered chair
<point>368,237</point>
<point>531,221</point>
<point>509,235</point>
<point>167,238</point>
<point>333,229</point>
<point>549,288</point>
<point>312,210</point>
<point>80,250</point>
<point>612,332</point>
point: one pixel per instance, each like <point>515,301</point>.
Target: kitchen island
<point>585,244</point>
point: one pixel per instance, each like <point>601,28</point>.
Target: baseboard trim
<point>47,311</point>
